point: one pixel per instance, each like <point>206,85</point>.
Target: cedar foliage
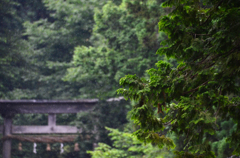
<point>204,37</point>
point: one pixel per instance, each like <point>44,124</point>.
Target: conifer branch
<point>195,88</point>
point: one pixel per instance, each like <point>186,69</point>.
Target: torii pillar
<point>9,108</point>
<point>7,128</point>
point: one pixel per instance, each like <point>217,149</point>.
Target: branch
<point>202,35</point>
<point>195,88</point>
<point>194,76</point>
<point>200,62</point>
<point>167,123</point>
<point>211,14</point>
<point>209,66</point>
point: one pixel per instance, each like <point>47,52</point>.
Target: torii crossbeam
<point>9,108</point>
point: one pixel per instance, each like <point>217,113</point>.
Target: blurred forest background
<point>78,49</point>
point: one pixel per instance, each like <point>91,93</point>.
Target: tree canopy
<point>124,41</point>
<point>74,49</point>
<point>204,37</point>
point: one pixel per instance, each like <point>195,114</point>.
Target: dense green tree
<point>124,40</point>
<point>116,38</point>
<point>52,40</point>
<point>126,145</point>
<point>53,28</point>
<point>203,36</point>
<point>17,60</point>
<point>220,146</point>
<point>14,51</point>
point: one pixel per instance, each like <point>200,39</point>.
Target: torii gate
<point>9,108</point>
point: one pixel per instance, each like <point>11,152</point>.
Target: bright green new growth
<point>127,146</point>
<point>204,37</point>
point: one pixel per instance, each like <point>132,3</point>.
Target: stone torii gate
<point>9,108</point>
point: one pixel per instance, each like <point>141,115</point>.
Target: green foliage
<point>53,40</point>
<point>203,37</point>
<point>15,53</point>
<point>92,44</point>
<point>124,40</point>
<point>221,146</point>
<point>121,43</point>
<point>126,145</point>
<point>54,30</point>
<point>95,66</point>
